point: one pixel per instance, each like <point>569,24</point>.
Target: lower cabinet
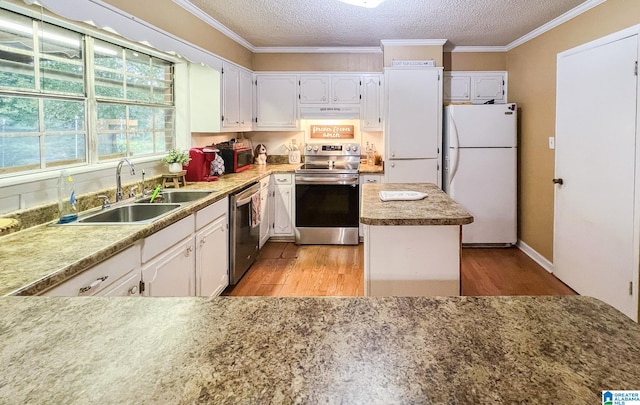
<point>283,203</point>
<point>265,205</point>
<point>118,275</point>
<point>212,270</point>
<point>172,273</point>
<point>367,179</point>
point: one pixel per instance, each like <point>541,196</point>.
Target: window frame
<point>92,160</point>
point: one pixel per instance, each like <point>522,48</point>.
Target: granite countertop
<point>436,209</point>
<point>35,259</point>
<point>401,350</point>
<point>370,169</point>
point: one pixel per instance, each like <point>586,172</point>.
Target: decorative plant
<point>177,156</point>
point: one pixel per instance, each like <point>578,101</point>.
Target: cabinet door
<point>212,271</point>
<point>413,113</point>
<point>246,100</point>
<point>413,171</point>
<point>488,87</point>
<point>276,102</point>
<point>367,179</point>
<point>314,89</point>
<point>457,87</point>
<point>345,89</point>
<point>230,97</point>
<point>204,94</point>
<point>264,216</point>
<point>371,106</point>
<point>127,286</point>
<point>172,273</point>
<point>282,224</point>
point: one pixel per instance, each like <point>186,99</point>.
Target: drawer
<point>282,179</point>
<point>264,182</point>
<point>208,214</point>
<point>162,240</point>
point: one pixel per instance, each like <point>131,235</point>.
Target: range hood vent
<point>334,112</point>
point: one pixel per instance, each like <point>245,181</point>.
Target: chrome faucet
<point>118,180</point>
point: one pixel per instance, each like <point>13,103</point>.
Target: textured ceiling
<point>330,23</point>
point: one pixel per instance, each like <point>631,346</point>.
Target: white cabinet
<point>168,261</point>
<point>118,275</point>
<point>329,89</point>
<point>237,98</point>
<point>212,271</point>
<point>371,112</point>
<point>276,102</point>
<point>265,217</point>
<point>283,205</point>
<point>204,98</point>
<point>414,105</point>
<point>345,89</point>
<point>412,171</point>
<point>314,89</point>
<point>171,274</point>
<point>475,87</point>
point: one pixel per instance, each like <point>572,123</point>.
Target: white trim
<point>537,257</point>
<point>188,6</point>
<point>318,49</point>
<point>412,42</point>
<point>478,49</point>
<point>574,12</point>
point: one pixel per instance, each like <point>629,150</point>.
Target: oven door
<point>327,209</point>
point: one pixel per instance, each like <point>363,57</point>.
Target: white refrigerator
<point>480,164</point>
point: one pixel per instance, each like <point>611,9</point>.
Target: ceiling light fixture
<point>363,3</point>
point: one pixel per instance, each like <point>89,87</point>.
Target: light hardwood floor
<point>287,270</point>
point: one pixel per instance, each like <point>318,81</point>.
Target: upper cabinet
<point>204,98</point>
<point>276,102</point>
<point>314,89</point>
<point>475,87</point>
<point>345,89</point>
<point>371,112</point>
<point>237,99</point>
<point>329,89</point>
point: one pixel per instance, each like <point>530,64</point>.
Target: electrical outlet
<point>552,142</point>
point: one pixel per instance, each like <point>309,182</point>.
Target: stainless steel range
<point>327,195</point>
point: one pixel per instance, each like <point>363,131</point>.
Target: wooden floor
<point>287,270</point>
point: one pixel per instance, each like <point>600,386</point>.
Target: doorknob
<point>558,181</point>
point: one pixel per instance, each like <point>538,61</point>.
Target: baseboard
<point>537,257</point>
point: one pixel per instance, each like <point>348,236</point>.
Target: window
<point>54,114</point>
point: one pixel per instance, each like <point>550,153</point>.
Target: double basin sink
<point>142,210</point>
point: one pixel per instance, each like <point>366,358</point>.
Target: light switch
<point>552,142</point>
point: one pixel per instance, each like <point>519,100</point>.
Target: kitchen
<point>529,65</point>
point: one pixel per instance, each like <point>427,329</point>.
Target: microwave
<point>236,160</point>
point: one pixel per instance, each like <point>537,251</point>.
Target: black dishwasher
<point>244,231</point>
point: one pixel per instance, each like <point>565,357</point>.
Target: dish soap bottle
<point>66,198</point>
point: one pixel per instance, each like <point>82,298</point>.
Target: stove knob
<point>315,148</point>
<point>348,148</point>
<point>355,148</point>
<point>309,148</point>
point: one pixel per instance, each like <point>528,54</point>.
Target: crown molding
<point>318,49</point>
<point>412,42</point>
<point>185,4</point>
<point>477,49</point>
<point>574,12</point>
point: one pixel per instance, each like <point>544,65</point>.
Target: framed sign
<point>331,131</point>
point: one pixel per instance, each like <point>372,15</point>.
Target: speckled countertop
<point>394,350</point>
<point>35,259</point>
<point>436,209</point>
<point>371,169</point>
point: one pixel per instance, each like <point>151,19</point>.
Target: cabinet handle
<point>96,283</point>
<point>335,99</point>
<point>203,241</point>
<point>188,251</point>
<point>393,154</point>
<point>133,290</point>
<point>393,165</point>
<point>281,180</point>
<point>324,99</point>
<point>373,181</point>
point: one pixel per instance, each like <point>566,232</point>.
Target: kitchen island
<point>401,350</point>
<point>411,247</point>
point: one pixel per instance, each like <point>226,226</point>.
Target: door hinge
<point>636,69</point>
<point>360,96</point>
<point>630,287</point>
<point>299,98</point>
<point>379,120</point>
<point>299,83</point>
<point>256,120</point>
<point>222,71</point>
<point>141,286</point>
<point>222,118</point>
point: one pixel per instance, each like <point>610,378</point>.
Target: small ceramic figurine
<point>261,154</point>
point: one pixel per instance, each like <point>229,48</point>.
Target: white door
<point>246,100</point>
<point>230,97</point>
<point>282,224</point>
<point>371,96</point>
<point>345,89</point>
<point>483,180</point>
<point>314,89</point>
<point>276,101</point>
<point>488,87</point>
<point>456,87</point>
<point>412,171</point>
<point>264,216</point>
<point>172,273</point>
<point>413,113</point>
<point>595,232</point>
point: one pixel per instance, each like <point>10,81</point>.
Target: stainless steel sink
<point>129,214</point>
<point>177,196</point>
